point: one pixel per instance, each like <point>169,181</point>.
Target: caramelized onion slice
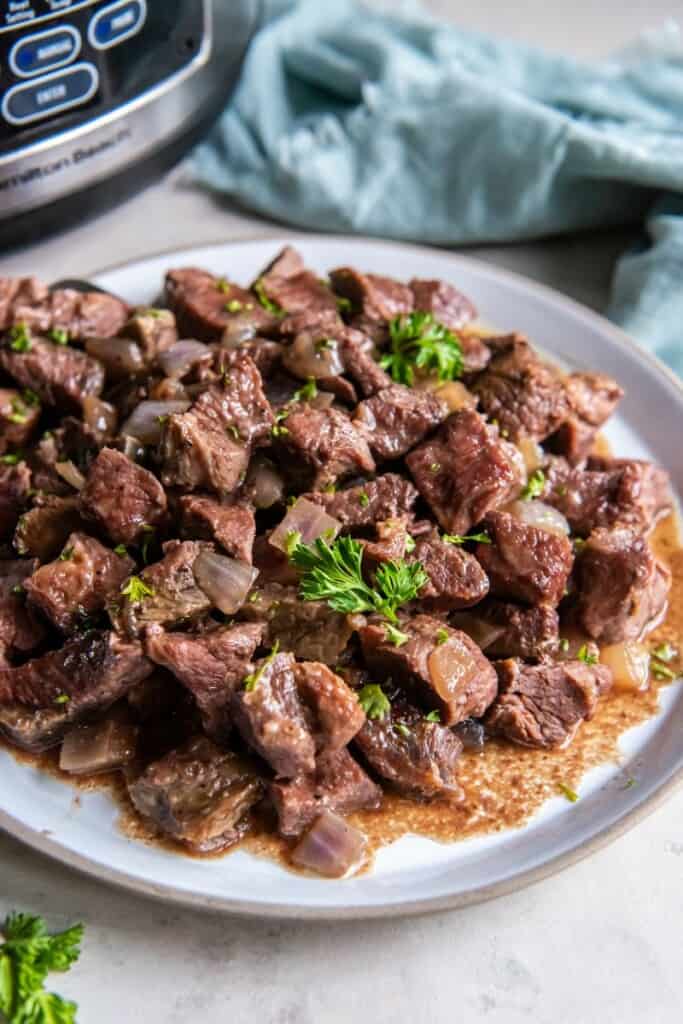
<point>630,665</point>
<point>451,666</point>
<point>100,747</point>
<point>181,357</point>
<point>540,515</point>
<point>100,416</point>
<point>331,847</point>
<point>71,473</point>
<point>311,356</point>
<point>309,520</point>
<point>532,453</point>
<point>121,357</point>
<point>264,485</point>
<point>226,581</point>
<point>146,419</point>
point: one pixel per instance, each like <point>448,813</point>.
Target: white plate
<point>414,874</point>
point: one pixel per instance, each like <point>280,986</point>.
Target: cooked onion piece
<point>455,395</point>
<point>100,747</point>
<point>307,519</point>
<point>264,485</point>
<point>309,356</point>
<point>177,360</point>
<point>71,473</point>
<point>121,357</point>
<point>227,581</point>
<point>331,847</point>
<point>146,420</point>
<point>540,515</point>
<point>630,665</point>
<point>531,452</point>
<point>100,416</point>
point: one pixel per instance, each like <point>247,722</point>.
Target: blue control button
<point>44,51</point>
<point>50,94</point>
<point>119,21</point>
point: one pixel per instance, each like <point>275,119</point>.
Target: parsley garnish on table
<point>419,342</point>
<point>27,955</point>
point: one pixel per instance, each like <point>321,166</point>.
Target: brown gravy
<point>504,785</point>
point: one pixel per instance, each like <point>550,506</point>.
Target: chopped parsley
<point>534,486</point>
<point>564,644</point>
<point>20,338</point>
<point>363,500</point>
<point>12,458</point>
<point>121,551</point>
<point>30,397</point>
<point>579,543</point>
<point>233,431</point>
<point>59,336</point>
<point>568,792</point>
<point>278,431</point>
<point>234,306</point>
<point>630,783</point>
<point>63,698</point>
<point>662,671</point>
<point>435,467</point>
<point>323,344</point>
<point>259,291</point>
<point>343,304</point>
<point>402,728</point>
<point>292,541</point>
<point>410,544</point>
<point>395,636</point>
<point>374,701</point>
<point>419,342</point>
<point>17,589</point>
<point>136,590</point>
<point>254,678</point>
<point>463,538</point>
<point>223,285</point>
<point>665,652</point>
<point>306,392</point>
<point>441,636</point>
<point>587,656</point>
<point>66,555</point>
<point>19,412</point>
<point>27,955</point>
<point>433,716</point>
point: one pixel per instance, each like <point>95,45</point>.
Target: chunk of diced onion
<point>331,847</point>
<point>307,519</point>
<point>71,473</point>
<point>226,581</point>
<point>540,515</point>
<point>146,420</point>
<point>99,747</point>
<point>630,665</point>
<point>311,356</point>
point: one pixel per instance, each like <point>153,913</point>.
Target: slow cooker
<point>99,97</point>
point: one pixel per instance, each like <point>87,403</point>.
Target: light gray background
<point>600,942</point>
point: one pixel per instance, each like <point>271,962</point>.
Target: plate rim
<point>169,893</point>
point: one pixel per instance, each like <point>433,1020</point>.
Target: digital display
<point>25,13</point>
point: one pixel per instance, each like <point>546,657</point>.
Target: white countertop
<point>600,942</point>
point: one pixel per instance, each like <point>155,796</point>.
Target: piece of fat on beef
<point>15,484</point>
<point>292,288</point>
<point>506,630</point>
<point>154,330</point>
<point>415,755</point>
<point>396,419</point>
<point>205,305</point>
<point>456,579</point>
<point>165,593</point>
<point>322,446</point>
<point>269,715</point>
<point>124,499</point>
<point>335,715</point>
<point>523,562</point>
<point>447,305</point>
<point>199,795</point>
<point>211,665</point>
<point>542,705</point>
<point>89,672</point>
<point>371,295</point>
<point>440,666</point>
<point>338,784</point>
<point>210,445</point>
<point>20,630</point>
<point>231,526</point>
<point>622,589</point>
<point>465,471</point>
<point>19,414</point>
<point>43,530</point>
<point>389,496</point>
<point>593,397</point>
<point>526,396</point>
<point>310,629</point>
<point>59,374</point>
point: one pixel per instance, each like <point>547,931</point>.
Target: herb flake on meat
<point>374,701</point>
<point>534,486</point>
<point>136,590</point>
<point>252,680</point>
<point>457,538</point>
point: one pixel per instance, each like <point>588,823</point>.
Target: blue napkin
<point>351,119</point>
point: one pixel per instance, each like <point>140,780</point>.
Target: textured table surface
<point>600,942</point>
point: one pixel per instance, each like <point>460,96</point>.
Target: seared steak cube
<point>516,631</point>
<point>20,630</point>
<point>593,397</point>
<point>525,395</point>
<point>523,562</point>
<point>440,665</point>
<point>81,314</point>
<point>373,296</point>
<point>339,784</point>
<point>290,287</point>
<point>456,579</point>
<point>211,665</point>
<point>232,526</point>
<point>124,499</point>
<point>15,483</point>
<point>448,306</point>
<point>210,444</point>
<point>622,587</point>
<point>204,305</point>
<point>19,414</point>
<point>387,497</point>
<point>59,374</point>
<point>322,446</point>
<point>154,330</point>
<point>465,471</point>
<point>268,713</point>
<point>78,583</point>
<point>542,705</point>
<point>335,714</point>
<point>416,755</point>
<point>359,363</point>
<point>398,418</point>
<point>199,795</point>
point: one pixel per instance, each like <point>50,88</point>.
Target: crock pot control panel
<point>63,62</point>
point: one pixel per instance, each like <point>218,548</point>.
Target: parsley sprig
<point>418,341</point>
<point>27,956</point>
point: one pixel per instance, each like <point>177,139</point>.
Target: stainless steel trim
<point>125,35</point>
<point>34,83</point>
<point>46,17</point>
<point>69,29</point>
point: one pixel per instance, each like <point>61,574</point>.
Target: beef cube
<point>525,395</point>
<point>266,355</point>
<point>441,665</point>
<point>79,583</point>
<point>373,296</point>
<point>387,497</point>
<point>233,527</point>
<point>20,630</point>
<point>210,444</point>
<point>397,418</point>
<point>465,471</point>
<point>323,445</point>
<point>202,305</point>
<point>543,705</point>
<point>456,579</point>
<point>476,355</point>
<point>199,795</point>
<point>43,530</point>
<point>356,352</point>
<point>273,565</point>
<point>523,562</point>
<point>622,587</point>
<point>449,306</point>
<point>290,287</point>
<point>154,330</point>
<point>15,484</point>
<point>81,314</point>
<point>325,321</point>
<point>36,729</point>
<point>287,263</point>
<point>59,374</point>
<point>391,543</point>
<point>335,715</point>
<point>124,499</point>
<point>19,414</point>
<point>211,665</point>
<point>514,631</point>
<point>18,294</point>
<point>339,784</point>
<point>89,673</point>
<point>310,629</point>
<point>269,715</point>
<point>593,397</point>
<point>415,755</point>
<point>169,594</point>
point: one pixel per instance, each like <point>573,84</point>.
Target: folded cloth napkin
<point>355,119</point>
